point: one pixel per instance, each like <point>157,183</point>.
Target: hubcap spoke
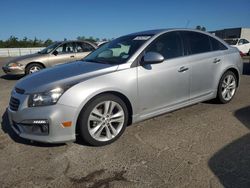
<point>97,134</point>
<point>113,129</point>
<point>119,119</point>
<point>224,93</point>
<point>95,129</point>
<point>96,112</point>
<point>232,85</point>
<point>94,118</point>
<point>106,107</point>
<point>108,133</point>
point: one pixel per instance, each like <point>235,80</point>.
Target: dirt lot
<point>205,145</point>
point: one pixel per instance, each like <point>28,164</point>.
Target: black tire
<point>82,124</point>
<point>31,66</point>
<point>220,98</point>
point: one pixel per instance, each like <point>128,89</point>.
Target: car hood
<point>66,74</point>
<point>25,57</point>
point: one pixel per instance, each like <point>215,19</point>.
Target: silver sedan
<point>127,80</point>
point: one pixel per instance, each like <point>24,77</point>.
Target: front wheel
<point>227,87</point>
<point>103,120</point>
<point>32,68</point>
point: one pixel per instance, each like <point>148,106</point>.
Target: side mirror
<point>55,53</point>
<point>152,58</point>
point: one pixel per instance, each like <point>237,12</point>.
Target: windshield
<point>49,48</point>
<point>231,41</point>
<point>119,50</point>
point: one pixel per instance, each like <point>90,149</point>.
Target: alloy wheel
<point>106,121</point>
<point>228,87</point>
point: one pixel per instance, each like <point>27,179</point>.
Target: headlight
<point>15,64</point>
<point>46,98</point>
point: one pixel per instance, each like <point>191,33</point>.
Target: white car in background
<point>242,44</point>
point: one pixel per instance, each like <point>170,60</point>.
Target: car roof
<point>66,41</point>
<point>158,31</point>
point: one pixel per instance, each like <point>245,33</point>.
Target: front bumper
<point>13,70</point>
<point>54,115</point>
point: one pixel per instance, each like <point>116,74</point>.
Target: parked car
<point>99,44</point>
<point>133,78</point>
<point>56,53</point>
<point>242,44</point>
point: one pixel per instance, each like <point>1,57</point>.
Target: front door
<point>63,54</point>
<point>164,85</point>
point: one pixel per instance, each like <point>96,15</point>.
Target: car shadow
<point>231,164</point>
<point>11,77</point>
<point>5,125</point>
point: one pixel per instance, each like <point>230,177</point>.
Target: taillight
<point>242,54</point>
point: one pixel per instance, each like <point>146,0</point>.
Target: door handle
<point>216,60</point>
<point>183,69</point>
<point>72,56</point>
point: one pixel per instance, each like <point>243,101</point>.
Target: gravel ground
<point>205,145</point>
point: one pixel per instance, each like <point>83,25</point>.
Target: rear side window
<point>197,42</point>
<point>217,45</point>
<point>169,45</point>
<point>84,47</point>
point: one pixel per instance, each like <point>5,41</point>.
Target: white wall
<point>9,52</point>
<point>245,33</point>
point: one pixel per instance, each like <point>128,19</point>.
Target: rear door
<point>83,49</point>
<point>204,63</point>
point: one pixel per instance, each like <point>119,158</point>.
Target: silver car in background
<point>130,79</point>
<point>56,53</point>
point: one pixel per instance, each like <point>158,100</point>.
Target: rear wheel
<point>103,120</point>
<point>227,87</point>
<point>33,67</point>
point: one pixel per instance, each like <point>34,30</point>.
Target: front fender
<point>123,81</point>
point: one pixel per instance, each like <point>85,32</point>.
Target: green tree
<point>201,28</point>
<point>48,42</point>
<point>81,38</point>
<point>198,27</point>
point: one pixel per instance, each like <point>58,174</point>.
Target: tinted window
<point>65,48</point>
<point>87,47</point>
<point>197,42</point>
<point>245,41</point>
<point>84,47</point>
<point>216,45</point>
<point>169,45</point>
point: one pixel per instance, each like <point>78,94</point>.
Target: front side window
<point>50,48</point>
<point>169,45</point>
<point>119,50</point>
<point>197,42</point>
<point>65,48</point>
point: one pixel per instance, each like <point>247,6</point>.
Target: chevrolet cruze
<point>127,80</point>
